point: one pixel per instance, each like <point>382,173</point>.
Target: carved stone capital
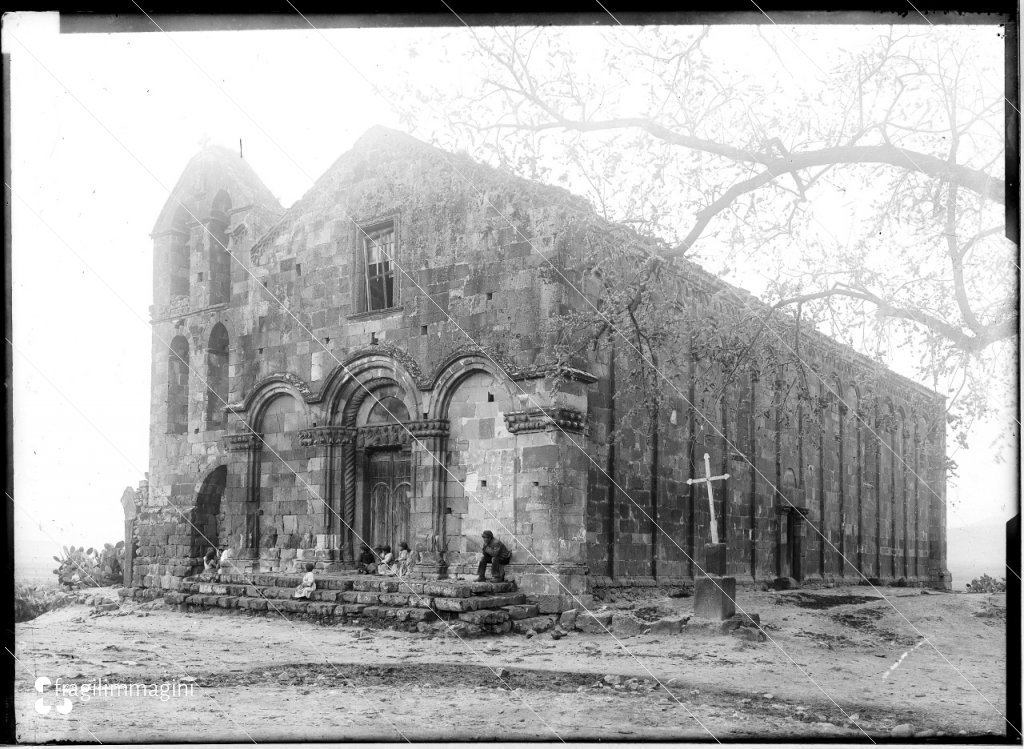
<point>540,419</point>
<point>329,435</point>
<point>240,442</point>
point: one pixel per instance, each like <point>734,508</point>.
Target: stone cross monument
<point>715,593</point>
<point>708,478</point>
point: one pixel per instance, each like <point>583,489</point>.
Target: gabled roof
<point>213,169</point>
<point>380,145</point>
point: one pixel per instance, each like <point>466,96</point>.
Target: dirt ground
<point>841,664</point>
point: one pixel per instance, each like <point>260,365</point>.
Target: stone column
<point>428,514</point>
<point>347,492</point>
<point>332,542</point>
<point>242,495</point>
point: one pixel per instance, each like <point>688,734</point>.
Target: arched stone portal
<point>207,522</point>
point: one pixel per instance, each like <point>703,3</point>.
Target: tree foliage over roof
<point>852,174</point>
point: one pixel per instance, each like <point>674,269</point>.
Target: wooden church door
<point>389,488</point>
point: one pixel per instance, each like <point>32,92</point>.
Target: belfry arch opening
<point>219,258</point>
<point>177,386</point>
<point>217,377</point>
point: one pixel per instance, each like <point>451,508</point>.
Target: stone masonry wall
<point>869,480</point>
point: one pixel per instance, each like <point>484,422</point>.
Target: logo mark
<point>41,707</point>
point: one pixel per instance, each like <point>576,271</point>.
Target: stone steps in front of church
<point>456,607</point>
<point>370,583</point>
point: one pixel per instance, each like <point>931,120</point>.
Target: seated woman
<point>387,560</point>
<point>367,561</point>
<point>404,559</point>
<point>210,565</point>
<point>308,585</point>
<point>225,565</point>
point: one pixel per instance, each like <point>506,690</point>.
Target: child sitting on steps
<point>308,584</point>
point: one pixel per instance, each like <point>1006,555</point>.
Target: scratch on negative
<point>896,665</point>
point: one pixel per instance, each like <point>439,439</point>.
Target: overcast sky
<point>102,127</point>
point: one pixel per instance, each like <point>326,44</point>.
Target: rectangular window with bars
<point>379,269</point>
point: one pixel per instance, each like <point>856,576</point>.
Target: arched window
<point>180,259</point>
<point>217,378</point>
<point>219,258</point>
<point>177,386</point>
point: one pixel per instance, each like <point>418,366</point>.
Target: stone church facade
<point>375,364</point>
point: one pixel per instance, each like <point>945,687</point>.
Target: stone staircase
<point>456,607</point>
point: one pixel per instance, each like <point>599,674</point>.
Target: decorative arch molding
<point>352,398</point>
<point>270,386</point>
<point>402,370</point>
<point>456,369</point>
<point>265,391</point>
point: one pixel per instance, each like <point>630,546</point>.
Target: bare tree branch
<point>984,336</point>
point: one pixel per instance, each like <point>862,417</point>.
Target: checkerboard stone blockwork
<point>377,363</point>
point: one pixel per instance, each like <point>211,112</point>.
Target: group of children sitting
<point>214,563</point>
<point>381,561</point>
<point>376,561</point>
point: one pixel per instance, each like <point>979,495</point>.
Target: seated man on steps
<point>497,555</point>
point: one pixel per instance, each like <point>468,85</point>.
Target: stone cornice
<point>554,371</point>
<point>167,315</point>
<point>540,419</point>
<point>168,232</point>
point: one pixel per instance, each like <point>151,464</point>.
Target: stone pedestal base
<point>431,566</point>
<point>240,565</point>
<point>714,597</point>
<point>335,567</point>
<point>554,588</point>
<point>714,559</point>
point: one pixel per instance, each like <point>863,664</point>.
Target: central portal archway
<point>387,471</point>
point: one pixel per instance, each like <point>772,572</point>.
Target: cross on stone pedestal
<point>714,593</point>
<point>708,478</point>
